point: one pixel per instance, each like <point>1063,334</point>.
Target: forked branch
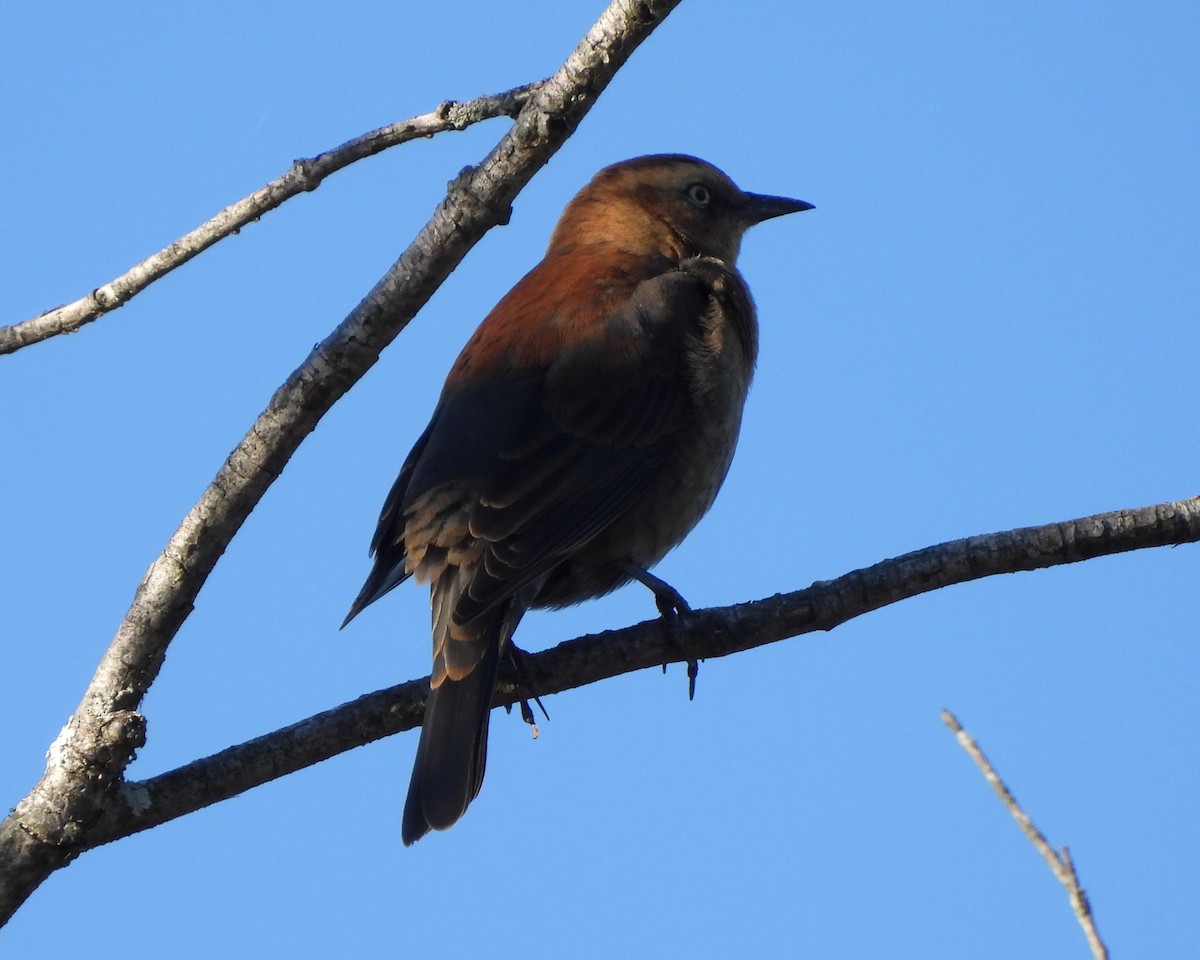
<point>1060,863</point>
<point>86,763</point>
<point>304,176</point>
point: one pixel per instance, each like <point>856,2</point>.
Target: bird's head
<point>668,204</point>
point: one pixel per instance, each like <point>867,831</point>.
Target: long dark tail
<point>452,752</point>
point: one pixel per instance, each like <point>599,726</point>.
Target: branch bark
<point>86,763</point>
<point>1060,865</point>
<point>303,177</point>
<point>703,634</point>
<point>83,800</point>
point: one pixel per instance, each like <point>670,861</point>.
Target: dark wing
<point>520,467</point>
<point>593,437</point>
<point>458,446</point>
<point>388,571</point>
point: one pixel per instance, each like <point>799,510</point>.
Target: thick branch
<point>304,176</point>
<point>703,634</point>
<point>88,759</point>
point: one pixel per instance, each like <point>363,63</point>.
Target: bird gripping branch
<point>581,434</point>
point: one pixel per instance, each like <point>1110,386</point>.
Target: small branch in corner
<point>1060,863</point>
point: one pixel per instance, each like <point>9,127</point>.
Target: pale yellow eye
<point>699,195</point>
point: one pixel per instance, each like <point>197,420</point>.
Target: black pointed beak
<point>757,207</point>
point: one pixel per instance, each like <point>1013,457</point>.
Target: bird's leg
<point>671,606</point>
<point>669,601</point>
<point>517,659</point>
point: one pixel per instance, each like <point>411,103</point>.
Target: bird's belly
<point>680,493</point>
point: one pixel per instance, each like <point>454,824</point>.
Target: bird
<point>583,431</point>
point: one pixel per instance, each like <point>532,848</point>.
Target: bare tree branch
<point>83,799</point>
<point>86,762</point>
<point>703,634</point>
<point>303,177</point>
<point>1060,864</point>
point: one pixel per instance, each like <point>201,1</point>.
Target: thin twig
<point>304,176</point>
<point>1060,863</point>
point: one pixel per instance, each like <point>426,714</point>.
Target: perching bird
<point>583,431</point>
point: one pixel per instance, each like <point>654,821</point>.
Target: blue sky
<point>989,321</point>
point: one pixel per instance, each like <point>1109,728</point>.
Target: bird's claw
<point>671,606</point>
<point>516,658</point>
<point>693,671</point>
<point>669,601</point>
<point>527,715</point>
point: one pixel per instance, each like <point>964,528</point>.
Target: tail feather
<point>452,752</point>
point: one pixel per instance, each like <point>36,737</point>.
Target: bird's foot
<point>671,606</point>
<point>517,660</point>
<point>669,601</point>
